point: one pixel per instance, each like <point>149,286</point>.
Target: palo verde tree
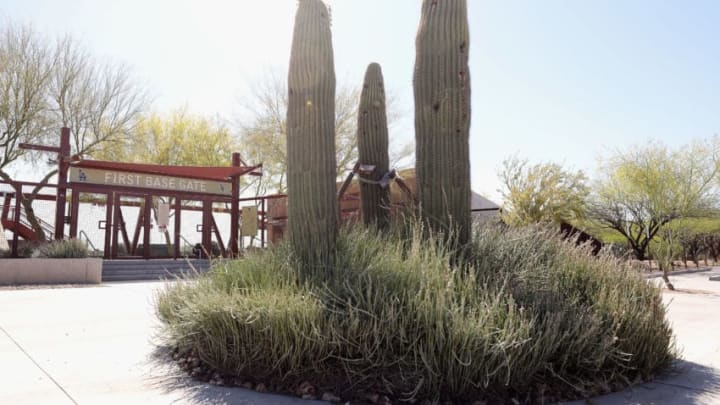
<point>312,206</point>
<point>372,136</point>
<point>645,188</point>
<point>441,85</point>
<point>177,138</point>
<point>543,192</point>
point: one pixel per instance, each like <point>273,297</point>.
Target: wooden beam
<point>108,226</point>
<point>216,231</point>
<point>136,234</point>
<point>178,214</point>
<point>43,148</point>
<point>234,209</point>
<point>64,153</point>
<point>147,225</point>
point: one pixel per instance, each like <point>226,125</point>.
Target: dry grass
<point>523,316</point>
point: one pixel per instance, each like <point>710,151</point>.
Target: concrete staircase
<point>137,270</point>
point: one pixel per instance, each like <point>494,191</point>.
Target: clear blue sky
<point>566,81</point>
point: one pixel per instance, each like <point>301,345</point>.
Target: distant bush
<point>525,316</point>
<point>63,249</point>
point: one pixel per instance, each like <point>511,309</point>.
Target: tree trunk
<point>441,85</point>
<point>666,279</point>
<point>373,148</point>
<point>312,206</point>
<point>26,201</point>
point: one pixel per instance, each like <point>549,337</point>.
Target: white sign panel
<point>153,181</point>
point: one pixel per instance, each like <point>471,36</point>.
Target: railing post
<point>178,213</point>
<point>109,206</point>
<point>263,223</point>
<point>16,219</point>
<point>207,226</point>
<point>63,162</point>
<point>234,208</point>
<point>74,208</point>
<point>147,223</point>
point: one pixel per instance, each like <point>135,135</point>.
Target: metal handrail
<point>46,227</point>
<point>87,240</point>
<point>187,242</point>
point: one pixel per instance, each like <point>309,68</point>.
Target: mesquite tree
<point>372,139</point>
<point>312,206</point>
<point>441,84</point>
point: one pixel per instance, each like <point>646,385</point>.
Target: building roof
<point>225,173</point>
<point>478,202</point>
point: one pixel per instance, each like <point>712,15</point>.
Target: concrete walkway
<point>96,345</point>
<point>694,311</point>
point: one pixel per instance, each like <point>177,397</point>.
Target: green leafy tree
<point>543,192</point>
<point>666,248</point>
<point>179,138</point>
<point>641,190</point>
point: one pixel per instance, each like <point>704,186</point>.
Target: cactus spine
<point>441,85</point>
<point>372,139</point>
<point>312,206</point>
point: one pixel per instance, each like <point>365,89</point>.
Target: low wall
<point>50,271</point>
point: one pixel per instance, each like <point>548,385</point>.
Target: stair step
<point>132,270</point>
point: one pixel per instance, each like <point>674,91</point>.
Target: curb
<point>656,274</point>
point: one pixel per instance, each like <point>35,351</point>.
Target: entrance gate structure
<point>154,191</point>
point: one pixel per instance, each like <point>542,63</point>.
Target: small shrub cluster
<point>63,249</point>
<point>524,316</point>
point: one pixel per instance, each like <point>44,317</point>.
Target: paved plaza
<point>98,345</point>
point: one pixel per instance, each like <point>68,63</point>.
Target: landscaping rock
<point>384,400</point>
<point>248,385</point>
<point>373,398</point>
<point>329,396</point>
<point>306,388</point>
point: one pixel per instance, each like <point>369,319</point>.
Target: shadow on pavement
<point>686,384</point>
<point>692,376</point>
<point>168,377</point>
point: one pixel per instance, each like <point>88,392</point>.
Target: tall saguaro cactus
<point>441,84</point>
<point>372,139</point>
<point>312,206</point>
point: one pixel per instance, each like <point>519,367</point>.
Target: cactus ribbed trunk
<point>441,84</point>
<point>312,206</point>
<point>372,139</point>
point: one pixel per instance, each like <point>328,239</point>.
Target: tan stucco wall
<point>50,271</point>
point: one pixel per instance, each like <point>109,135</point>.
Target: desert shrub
<point>524,315</point>
<point>63,249</point>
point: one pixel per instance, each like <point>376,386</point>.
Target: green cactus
<point>441,85</point>
<point>372,139</point>
<point>312,206</point>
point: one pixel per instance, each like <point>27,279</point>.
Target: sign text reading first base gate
<point>153,181</point>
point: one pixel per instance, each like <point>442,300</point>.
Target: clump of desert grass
<point>521,315</point>
<point>63,249</point>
